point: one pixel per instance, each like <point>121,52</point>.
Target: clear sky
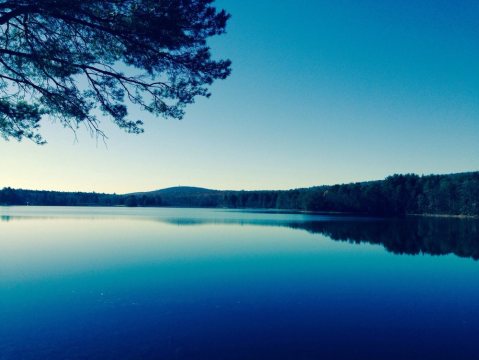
<point>321,92</point>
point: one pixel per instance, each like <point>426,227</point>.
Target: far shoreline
<point>259,210</point>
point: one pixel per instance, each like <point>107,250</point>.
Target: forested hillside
<point>397,195</point>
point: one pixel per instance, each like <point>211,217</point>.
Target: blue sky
<point>321,92</point>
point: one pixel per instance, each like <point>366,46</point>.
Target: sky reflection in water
<point>212,284</point>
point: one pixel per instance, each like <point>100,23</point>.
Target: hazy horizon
<point>230,189</point>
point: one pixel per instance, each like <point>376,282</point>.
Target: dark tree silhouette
<point>396,196</point>
<point>66,58</point>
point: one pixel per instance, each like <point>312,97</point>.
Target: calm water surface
<point>118,283</point>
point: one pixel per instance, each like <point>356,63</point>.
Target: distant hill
<point>397,195</point>
<point>184,196</point>
<point>177,190</point>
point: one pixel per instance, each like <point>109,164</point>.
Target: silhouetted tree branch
<point>66,58</point>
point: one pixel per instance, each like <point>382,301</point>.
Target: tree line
<point>397,195</point>
<point>9,196</point>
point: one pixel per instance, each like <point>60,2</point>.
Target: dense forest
<point>397,195</point>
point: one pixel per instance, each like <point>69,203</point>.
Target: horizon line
<point>226,190</point>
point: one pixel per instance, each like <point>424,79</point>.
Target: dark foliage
<point>397,195</point>
<point>66,58</point>
<point>9,196</point>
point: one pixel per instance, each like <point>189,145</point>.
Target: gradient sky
<point>321,92</point>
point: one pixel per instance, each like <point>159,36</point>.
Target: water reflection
<point>415,235</point>
<point>412,235</point>
<point>433,236</point>
<point>109,283</point>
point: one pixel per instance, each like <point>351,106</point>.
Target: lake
<point>164,283</point>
